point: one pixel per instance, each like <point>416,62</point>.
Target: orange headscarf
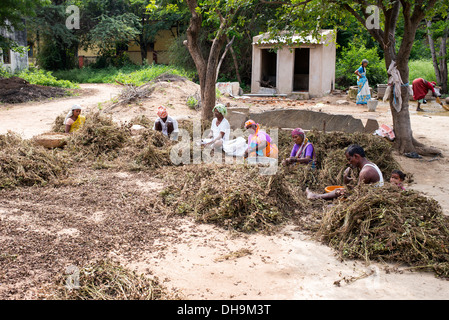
<point>250,123</point>
<point>162,112</point>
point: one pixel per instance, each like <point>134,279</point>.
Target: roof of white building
<point>326,35</point>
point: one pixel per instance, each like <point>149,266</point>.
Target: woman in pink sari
<point>259,142</point>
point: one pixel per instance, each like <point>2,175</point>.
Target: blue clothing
<point>363,94</point>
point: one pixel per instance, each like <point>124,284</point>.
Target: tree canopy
<point>12,17</point>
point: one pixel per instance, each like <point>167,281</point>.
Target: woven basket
<point>51,139</point>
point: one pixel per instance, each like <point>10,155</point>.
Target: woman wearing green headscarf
<point>220,128</point>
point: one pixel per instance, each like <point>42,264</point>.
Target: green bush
<point>350,60</point>
<point>45,78</point>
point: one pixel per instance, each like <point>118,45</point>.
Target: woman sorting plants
<point>74,120</point>
<point>303,151</point>
<point>259,142</point>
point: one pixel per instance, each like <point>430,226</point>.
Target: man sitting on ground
<point>369,173</point>
<point>166,124</point>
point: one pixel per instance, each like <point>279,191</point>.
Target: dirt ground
<point>104,213</point>
<point>17,90</point>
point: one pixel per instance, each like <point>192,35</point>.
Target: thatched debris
<point>104,280</point>
<point>387,224</point>
<point>133,94</point>
<point>23,163</point>
<point>233,196</point>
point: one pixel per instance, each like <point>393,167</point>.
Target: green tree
<point>224,18</point>
<point>154,18</point>
<point>112,31</point>
<point>350,59</point>
<point>57,44</point>
<point>13,14</point>
<point>308,16</point>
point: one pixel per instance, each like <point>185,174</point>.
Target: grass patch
<point>129,74</point>
<point>421,69</point>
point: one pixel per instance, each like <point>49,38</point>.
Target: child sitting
<point>397,178</point>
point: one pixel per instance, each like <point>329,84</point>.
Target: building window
<point>6,55</point>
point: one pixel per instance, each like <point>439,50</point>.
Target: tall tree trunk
<point>143,52</point>
<point>404,141</point>
<point>143,44</point>
<point>432,50</point>
<point>443,58</point>
<point>236,65</point>
<point>207,69</point>
<point>401,120</point>
<point>440,68</point>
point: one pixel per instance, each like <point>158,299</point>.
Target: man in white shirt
<point>166,124</point>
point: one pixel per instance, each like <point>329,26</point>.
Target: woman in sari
<point>363,93</point>
<point>259,142</point>
<point>74,120</point>
<point>303,151</point>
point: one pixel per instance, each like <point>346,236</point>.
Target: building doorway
<point>301,69</point>
<point>269,68</point>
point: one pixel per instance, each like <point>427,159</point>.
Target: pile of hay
<point>105,280</point>
<point>98,138</point>
<point>377,149</point>
<point>387,224</point>
<point>102,140</point>
<point>147,150</point>
<point>24,163</point>
<point>233,196</point>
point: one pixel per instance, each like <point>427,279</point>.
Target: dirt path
<point>33,118</point>
<point>197,261</point>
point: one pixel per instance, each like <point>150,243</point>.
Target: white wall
<point>18,62</point>
<point>321,66</point>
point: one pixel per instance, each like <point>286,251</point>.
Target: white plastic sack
<point>235,147</point>
<point>395,81</point>
<point>387,93</point>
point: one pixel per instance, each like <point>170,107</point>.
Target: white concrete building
<point>306,67</point>
<point>10,60</point>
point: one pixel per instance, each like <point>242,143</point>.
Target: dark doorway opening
<point>301,72</point>
<point>269,68</point>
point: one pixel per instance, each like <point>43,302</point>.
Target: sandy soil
<point>32,118</point>
<point>46,230</point>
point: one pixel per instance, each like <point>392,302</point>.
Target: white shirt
<point>164,125</point>
<point>224,126</point>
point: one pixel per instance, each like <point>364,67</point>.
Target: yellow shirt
<point>78,123</point>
